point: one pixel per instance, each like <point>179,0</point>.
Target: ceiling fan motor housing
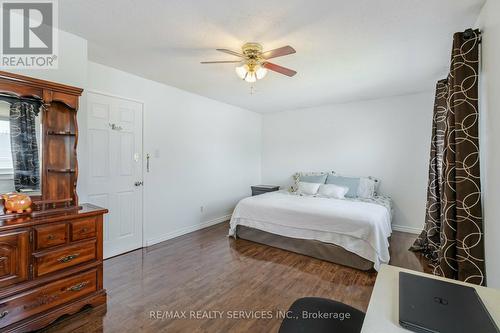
<point>252,50</point>
<point>254,63</point>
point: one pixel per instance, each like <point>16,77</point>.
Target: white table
<point>382,315</point>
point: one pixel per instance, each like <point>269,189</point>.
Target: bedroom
<point>171,150</point>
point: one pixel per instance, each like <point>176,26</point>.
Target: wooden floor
<point>207,271</point>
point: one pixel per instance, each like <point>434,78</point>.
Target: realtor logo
<point>29,34</point>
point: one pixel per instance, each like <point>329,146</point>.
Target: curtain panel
<point>453,236</point>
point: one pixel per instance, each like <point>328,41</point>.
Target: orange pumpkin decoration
<point>16,203</point>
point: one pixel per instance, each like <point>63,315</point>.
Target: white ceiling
<point>346,49</point>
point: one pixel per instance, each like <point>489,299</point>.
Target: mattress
<point>360,226</point>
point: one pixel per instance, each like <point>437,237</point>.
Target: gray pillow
<point>317,179</point>
<point>351,183</point>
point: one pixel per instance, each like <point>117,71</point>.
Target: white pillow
<point>366,188</point>
<point>333,191</point>
<point>308,188</point>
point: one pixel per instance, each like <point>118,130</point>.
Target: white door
<point>115,169</point>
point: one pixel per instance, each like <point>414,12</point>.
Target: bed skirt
<point>308,247</point>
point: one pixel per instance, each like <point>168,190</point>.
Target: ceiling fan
<point>254,63</point>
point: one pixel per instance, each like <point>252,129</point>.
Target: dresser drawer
<point>50,261</point>
<point>51,235</point>
<point>83,229</point>
<point>14,257</point>
<point>34,301</point>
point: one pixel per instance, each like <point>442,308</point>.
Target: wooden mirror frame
<point>59,169</point>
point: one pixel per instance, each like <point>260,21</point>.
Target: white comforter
<point>359,227</point>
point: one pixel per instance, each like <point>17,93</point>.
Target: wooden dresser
<point>50,266</point>
<point>50,258</point>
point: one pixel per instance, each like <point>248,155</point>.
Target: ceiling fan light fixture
<point>241,71</point>
<point>250,77</point>
<point>261,72</point>
<point>253,64</point>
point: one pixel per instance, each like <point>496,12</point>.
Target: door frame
<point>99,92</point>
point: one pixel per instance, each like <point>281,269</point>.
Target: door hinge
<point>31,270</point>
<point>31,236</point>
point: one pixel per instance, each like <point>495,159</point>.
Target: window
<point>6,167</point>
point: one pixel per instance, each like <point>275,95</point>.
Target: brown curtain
<point>453,234</point>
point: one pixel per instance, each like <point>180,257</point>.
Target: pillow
<point>366,188</point>
<point>308,188</point>
<point>312,178</point>
<point>309,177</point>
<point>332,191</point>
<point>377,185</point>
<point>352,183</point>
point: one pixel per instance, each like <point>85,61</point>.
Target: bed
<point>352,231</point>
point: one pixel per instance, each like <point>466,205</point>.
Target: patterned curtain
<point>24,145</point>
<point>453,234</point>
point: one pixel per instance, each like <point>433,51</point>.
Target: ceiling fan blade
<point>221,62</point>
<point>279,69</point>
<point>231,52</point>
<point>279,52</point>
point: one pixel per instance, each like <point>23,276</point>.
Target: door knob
<point>138,183</point>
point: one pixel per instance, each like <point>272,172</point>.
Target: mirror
<point>20,147</point>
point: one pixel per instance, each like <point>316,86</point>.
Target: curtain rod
<point>469,33</point>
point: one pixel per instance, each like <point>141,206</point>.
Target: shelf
<point>44,202</point>
<point>61,133</point>
<point>62,170</point>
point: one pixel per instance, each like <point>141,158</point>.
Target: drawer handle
<point>68,258</point>
<point>50,237</point>
<point>84,230</point>
<point>3,314</point>
<point>78,287</point>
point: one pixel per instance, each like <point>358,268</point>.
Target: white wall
<point>386,138</point>
<point>209,152</point>
<point>489,23</point>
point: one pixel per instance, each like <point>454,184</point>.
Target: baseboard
<point>206,224</point>
<point>404,228</point>
<point>186,230</point>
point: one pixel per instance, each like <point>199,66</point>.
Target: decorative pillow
<point>308,188</point>
<point>320,179</point>
<point>352,183</point>
<point>366,188</point>
<point>332,191</point>
<point>377,185</point>
<point>309,177</point>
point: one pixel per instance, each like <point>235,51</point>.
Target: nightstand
<point>261,189</point>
